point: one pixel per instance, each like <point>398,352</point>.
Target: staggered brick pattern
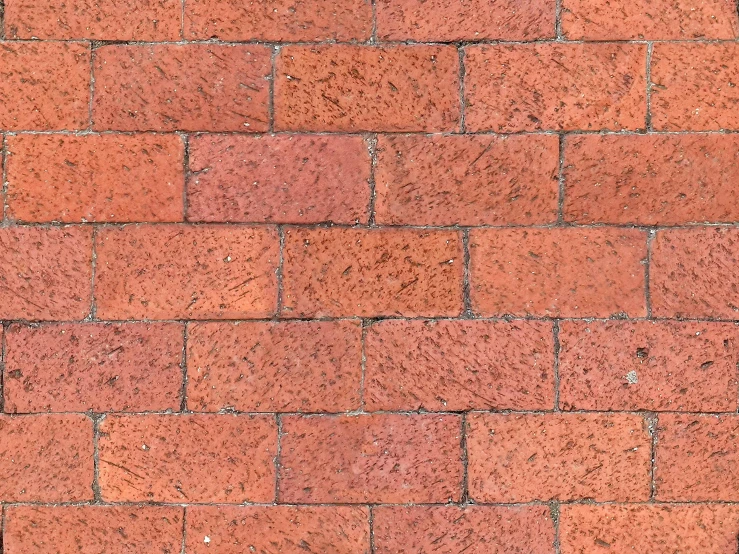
<point>369,276</point>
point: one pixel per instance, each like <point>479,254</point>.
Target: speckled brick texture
<point>369,276</point>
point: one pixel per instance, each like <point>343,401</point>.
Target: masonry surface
<point>369,276</point>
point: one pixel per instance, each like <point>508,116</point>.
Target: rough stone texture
<point>190,87</point>
<point>382,458</point>
<point>77,367</point>
<point>360,272</point>
<point>93,529</point>
<point>708,529</point>
<point>44,86</point>
<point>191,272</point>
<point>467,180</point>
<point>443,21</point>
<point>98,19</point>
<point>95,178</point>
<point>459,365</point>
<point>45,273</point>
<point>279,178</point>
<point>472,530</point>
<point>694,273</point>
<point>697,458</point>
<point>526,457</point>
<point>361,88</point>
<point>279,20</point>
<point>649,19</point>
<point>187,458</point>
<point>558,272</point>
<point>46,458</point>
<point>555,86</point>
<point>652,179</point>
<point>274,367</point>
<point>283,529</point>
<point>695,87</point>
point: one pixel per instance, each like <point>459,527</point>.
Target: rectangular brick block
<point>46,458</point>
<point>188,458</point>
<point>467,180</point>
<point>45,86</point>
<point>383,458</point>
<point>697,458</point>
<point>558,272</point>
<point>89,529</point>
<point>367,88</point>
<point>281,20</point>
<point>527,457</point>
<point>149,20</point>
<point>527,87</point>
<point>474,529</point>
<point>345,272</point>
<point>186,272</point>
<point>648,365</point>
<point>45,273</point>
<point>284,529</point>
<point>693,273</point>
<point>694,86</point>
<point>459,365</point>
<point>96,178</point>
<point>190,87</point>
<point>649,19</point>
<point>440,21</point>
<point>274,367</point>
<point>279,178</point>
<point>651,179</point>
<point>657,529</point>
<point>99,367</point>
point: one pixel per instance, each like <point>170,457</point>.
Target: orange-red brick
<point>96,178</point>
<point>527,457</point>
<point>467,180</point>
<point>188,458</point>
<point>265,367</point>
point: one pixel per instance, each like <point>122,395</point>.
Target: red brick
<point>45,273</point>
<point>527,87</point>
<point>697,458</point>
<point>284,529</point>
<point>648,365</point>
<point>46,458</point>
<point>274,367</point>
<point>383,458</point>
<point>95,178</point>
<point>93,529</point>
<point>441,21</point>
<point>280,20</point>
<point>693,273</point>
<point>279,178</point>
<point>186,272</point>
<point>103,19</point>
<point>472,530</point>
<point>526,457</point>
<point>190,87</point>
<point>459,365</point>
<point>367,88</point>
<point>97,367</point>
<point>45,85</point>
<point>467,180</point>
<point>188,458</point>
<point>343,272</point>
<point>657,529</point>
<point>695,86</point>
<point>558,272</point>
<point>651,179</point>
<point>648,19</point>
